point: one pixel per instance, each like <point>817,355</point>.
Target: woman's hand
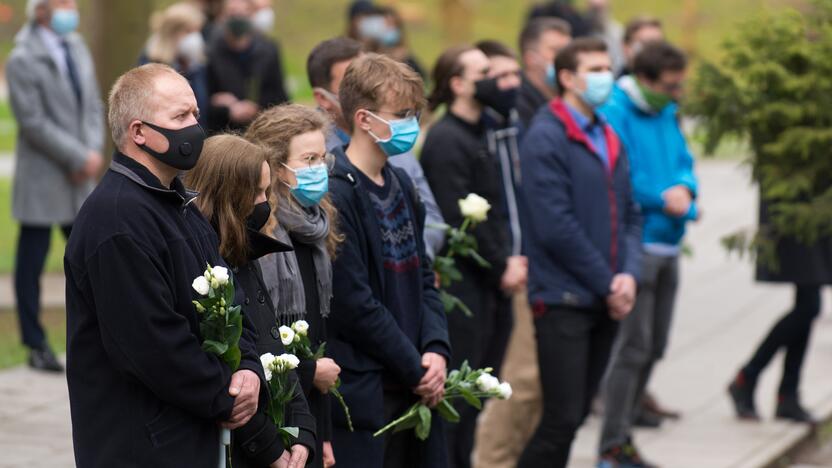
<point>326,374</point>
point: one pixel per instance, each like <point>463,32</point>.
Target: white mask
<point>263,20</point>
<point>192,48</point>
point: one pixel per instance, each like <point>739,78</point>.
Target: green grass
<point>9,233</point>
<point>12,351</point>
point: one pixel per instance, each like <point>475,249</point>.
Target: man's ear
<point>135,131</point>
<point>361,119</point>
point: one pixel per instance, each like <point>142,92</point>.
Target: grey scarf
<point>280,270</point>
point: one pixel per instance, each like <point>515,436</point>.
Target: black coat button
<point>275,333</point>
<point>252,447</point>
<point>261,297</point>
<point>246,301</point>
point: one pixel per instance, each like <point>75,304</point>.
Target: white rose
<point>475,207</point>
<point>220,274</point>
<point>290,361</point>
<point>201,286</point>
<point>301,327</point>
<point>504,391</point>
<point>287,335</point>
<point>267,360</point>
<point>487,382</point>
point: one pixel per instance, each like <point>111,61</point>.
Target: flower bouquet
<point>296,340</point>
<point>220,324</point>
<point>281,391</point>
<point>467,384</point>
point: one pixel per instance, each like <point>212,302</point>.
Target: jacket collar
<point>575,133</point>
<point>260,245</point>
<point>136,172</point>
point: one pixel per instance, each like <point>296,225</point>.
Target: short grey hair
<point>32,5</point>
<point>132,97</point>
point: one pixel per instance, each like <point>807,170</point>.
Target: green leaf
<point>232,357</point>
<point>290,431</point>
<point>214,347</point>
<point>447,411</point>
<point>470,398</point>
<point>423,428</point>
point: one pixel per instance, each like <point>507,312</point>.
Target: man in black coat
<point>142,391</point>
<point>540,42</point>
<point>245,75</point>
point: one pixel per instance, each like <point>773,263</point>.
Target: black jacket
<point>319,403</point>
<point>457,162</point>
<point>255,74</point>
<point>258,443</point>
<point>142,391</point>
<point>364,338</point>
<point>529,101</point>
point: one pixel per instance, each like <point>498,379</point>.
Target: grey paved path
<point>722,315</point>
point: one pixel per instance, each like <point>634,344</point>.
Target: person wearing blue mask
<point>387,329</point>
<point>325,68</point>
<point>540,42</point>
<point>458,161</point>
<point>55,100</point>
<point>582,233</point>
<point>304,217</point>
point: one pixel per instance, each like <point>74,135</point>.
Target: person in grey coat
<point>55,100</point>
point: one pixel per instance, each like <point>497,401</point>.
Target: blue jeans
<point>32,248</point>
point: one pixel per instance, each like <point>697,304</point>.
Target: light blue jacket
<point>659,159</point>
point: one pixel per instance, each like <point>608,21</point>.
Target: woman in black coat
<point>300,282</point>
<point>234,178</point>
<point>807,267</point>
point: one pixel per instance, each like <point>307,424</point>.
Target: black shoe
<point>45,360</point>
<point>648,419</point>
<point>742,394</point>
<point>623,456</point>
<point>789,408</point>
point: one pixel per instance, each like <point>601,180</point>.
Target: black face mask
<point>184,146</point>
<point>490,95</point>
<point>239,26</point>
<point>259,217</point>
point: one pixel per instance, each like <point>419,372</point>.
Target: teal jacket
<point>659,159</point>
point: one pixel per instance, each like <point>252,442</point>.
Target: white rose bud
<point>301,327</point>
<point>287,335</point>
<point>267,360</point>
<point>215,284</point>
<point>487,382</point>
<point>475,207</point>
<point>221,274</point>
<point>504,391</point>
<point>201,286</point>
<point>290,360</point>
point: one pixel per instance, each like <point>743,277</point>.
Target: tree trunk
<point>118,31</point>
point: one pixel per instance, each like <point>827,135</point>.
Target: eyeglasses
<point>404,114</point>
<point>313,159</point>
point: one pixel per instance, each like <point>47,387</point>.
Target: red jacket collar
<point>576,133</point>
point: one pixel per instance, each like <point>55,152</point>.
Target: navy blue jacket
<point>364,338</point>
<point>581,224</point>
<point>142,392</point>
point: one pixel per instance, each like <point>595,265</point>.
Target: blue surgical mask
<point>391,37</point>
<point>64,21</point>
<point>313,184</point>
<point>551,76</point>
<point>372,27</point>
<point>598,88</point>
<point>403,135</point>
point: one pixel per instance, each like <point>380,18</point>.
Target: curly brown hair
<point>274,128</point>
<point>227,178</point>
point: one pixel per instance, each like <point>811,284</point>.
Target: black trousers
<point>32,248</point>
<point>482,341</point>
<point>791,333</point>
<point>574,347</point>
